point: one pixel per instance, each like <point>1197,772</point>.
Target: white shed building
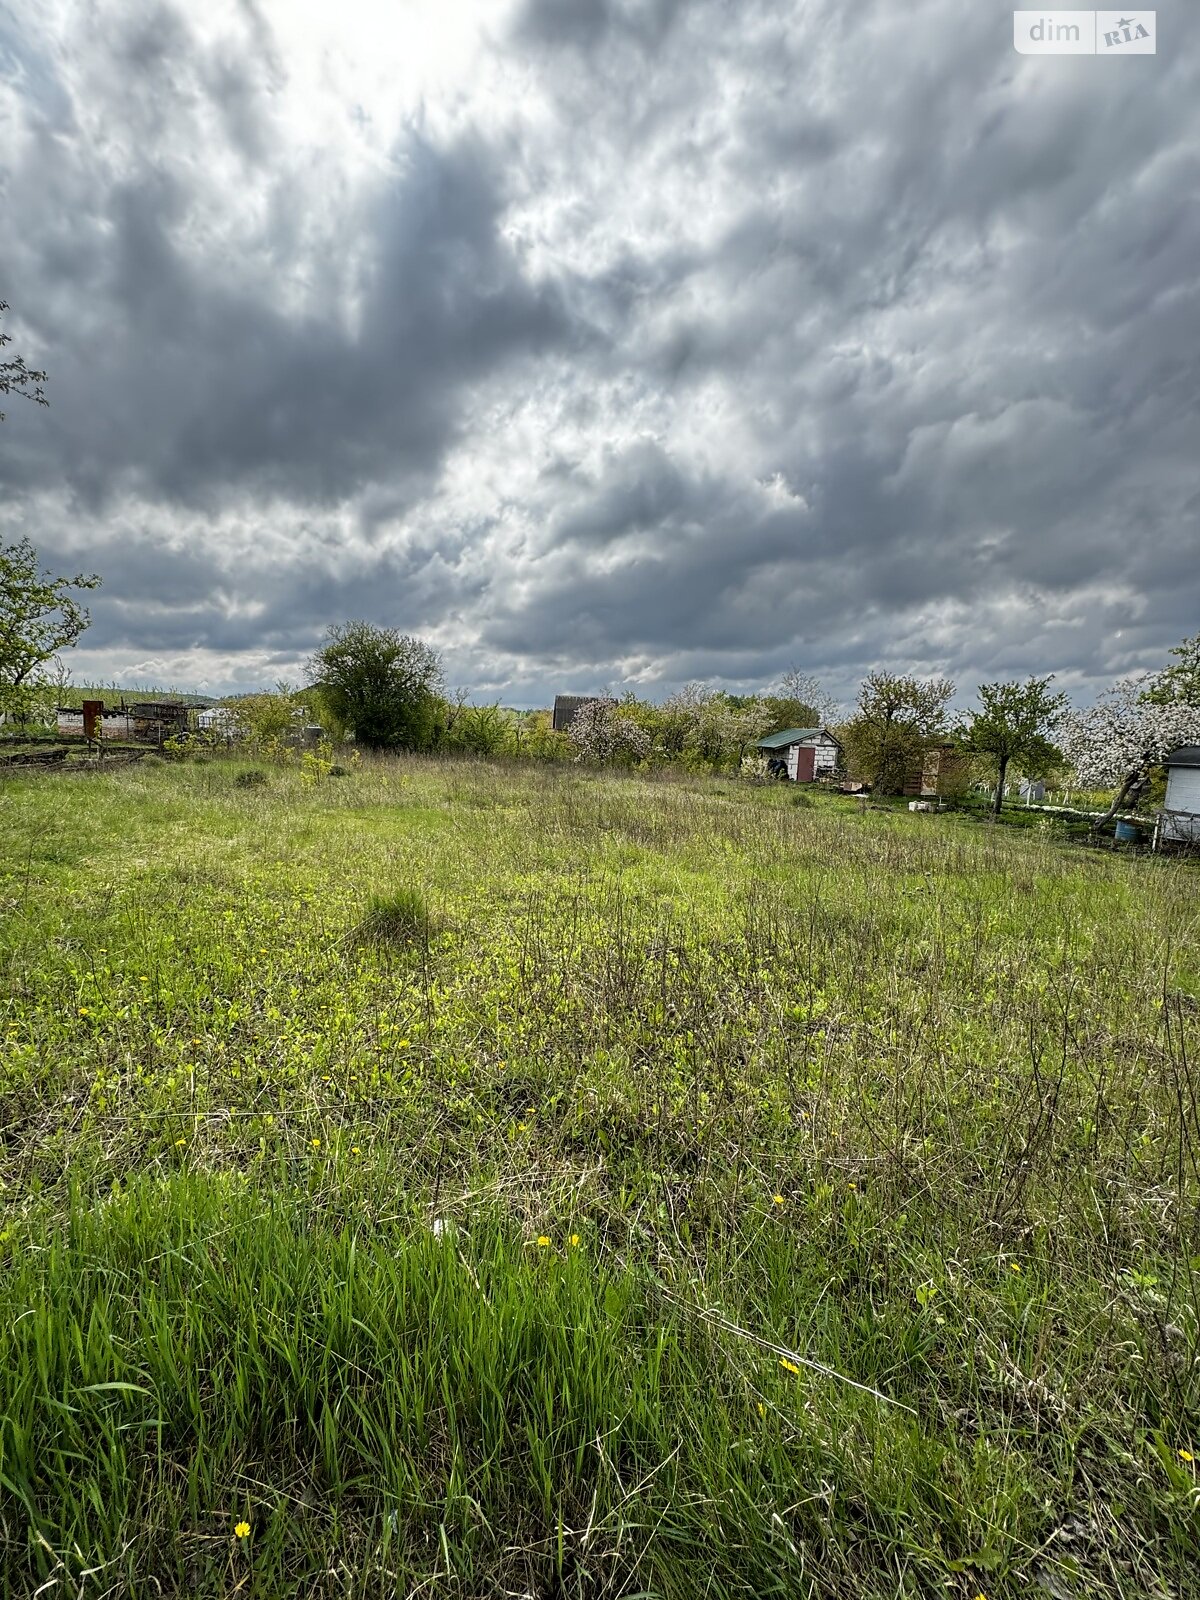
<point>810,753</point>
<point>113,724</point>
<point>1179,822</point>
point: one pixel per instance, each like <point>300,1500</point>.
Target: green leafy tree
<point>1014,724</point>
<point>678,718</point>
<point>383,685</point>
<point>267,719</point>
<point>896,716</point>
<point>1179,683</point>
<point>486,730</point>
<point>800,701</point>
<point>536,738</point>
<point>16,377</point>
<point>39,616</point>
<point>706,727</point>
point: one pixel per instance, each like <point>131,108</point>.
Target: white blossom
<point>755,768</point>
<point>1122,736</point>
<point>600,732</point>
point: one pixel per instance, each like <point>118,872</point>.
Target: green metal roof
<point>780,741</point>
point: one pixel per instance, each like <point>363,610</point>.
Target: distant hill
<point>112,694</point>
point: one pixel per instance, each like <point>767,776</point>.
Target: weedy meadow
<point>473,1181</point>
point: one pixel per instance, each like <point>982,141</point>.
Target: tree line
<point>385,690</point>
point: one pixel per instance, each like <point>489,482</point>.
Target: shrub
<point>338,771</point>
<point>250,780</point>
<point>801,799</point>
<point>180,746</point>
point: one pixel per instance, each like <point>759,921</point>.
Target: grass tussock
<point>748,1199</point>
<point>399,920</point>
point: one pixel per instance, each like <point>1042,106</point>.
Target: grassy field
<point>455,1181</point>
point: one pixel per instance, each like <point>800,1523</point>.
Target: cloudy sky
<point>614,342</point>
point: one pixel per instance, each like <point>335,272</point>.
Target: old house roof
<point>565,707</point>
<point>1187,755</point>
<point>780,741</point>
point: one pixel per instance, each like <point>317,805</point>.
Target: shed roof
<point>565,707</point>
<point>1187,755</point>
<point>164,710</point>
<point>780,741</point>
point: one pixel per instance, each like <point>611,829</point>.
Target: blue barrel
<point>1128,833</point>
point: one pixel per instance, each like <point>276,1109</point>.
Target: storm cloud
<point>621,342</point>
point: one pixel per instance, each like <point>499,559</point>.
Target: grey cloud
<point>586,24</point>
<point>200,386</point>
<point>200,380</point>
<point>530,386</point>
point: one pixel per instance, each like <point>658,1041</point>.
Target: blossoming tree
<point>601,732</point>
<point>1118,740</point>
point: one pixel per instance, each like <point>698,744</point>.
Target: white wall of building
<point>1183,795</point>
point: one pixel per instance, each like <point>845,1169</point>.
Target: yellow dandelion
<point>778,1199</point>
<point>852,1184</point>
<point>242,1531</point>
<point>316,1144</point>
<point>788,1366</point>
<point>355,1150</point>
<point>1186,1455</point>
<point>543,1241</point>
<point>1014,1266</point>
<point>84,1012</point>
<point>178,1142</point>
<point>574,1241</point>
<point>762,1410</point>
<point>143,980</point>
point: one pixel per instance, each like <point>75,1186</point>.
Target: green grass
<point>475,1257</point>
<point>400,919</point>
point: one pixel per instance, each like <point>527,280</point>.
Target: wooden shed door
<point>806,757</point>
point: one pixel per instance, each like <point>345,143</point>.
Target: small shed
<point>157,720</point>
<point>93,720</point>
<point>1179,821</point>
<point>809,753</point>
<point>938,770</point>
<point>565,708</point>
